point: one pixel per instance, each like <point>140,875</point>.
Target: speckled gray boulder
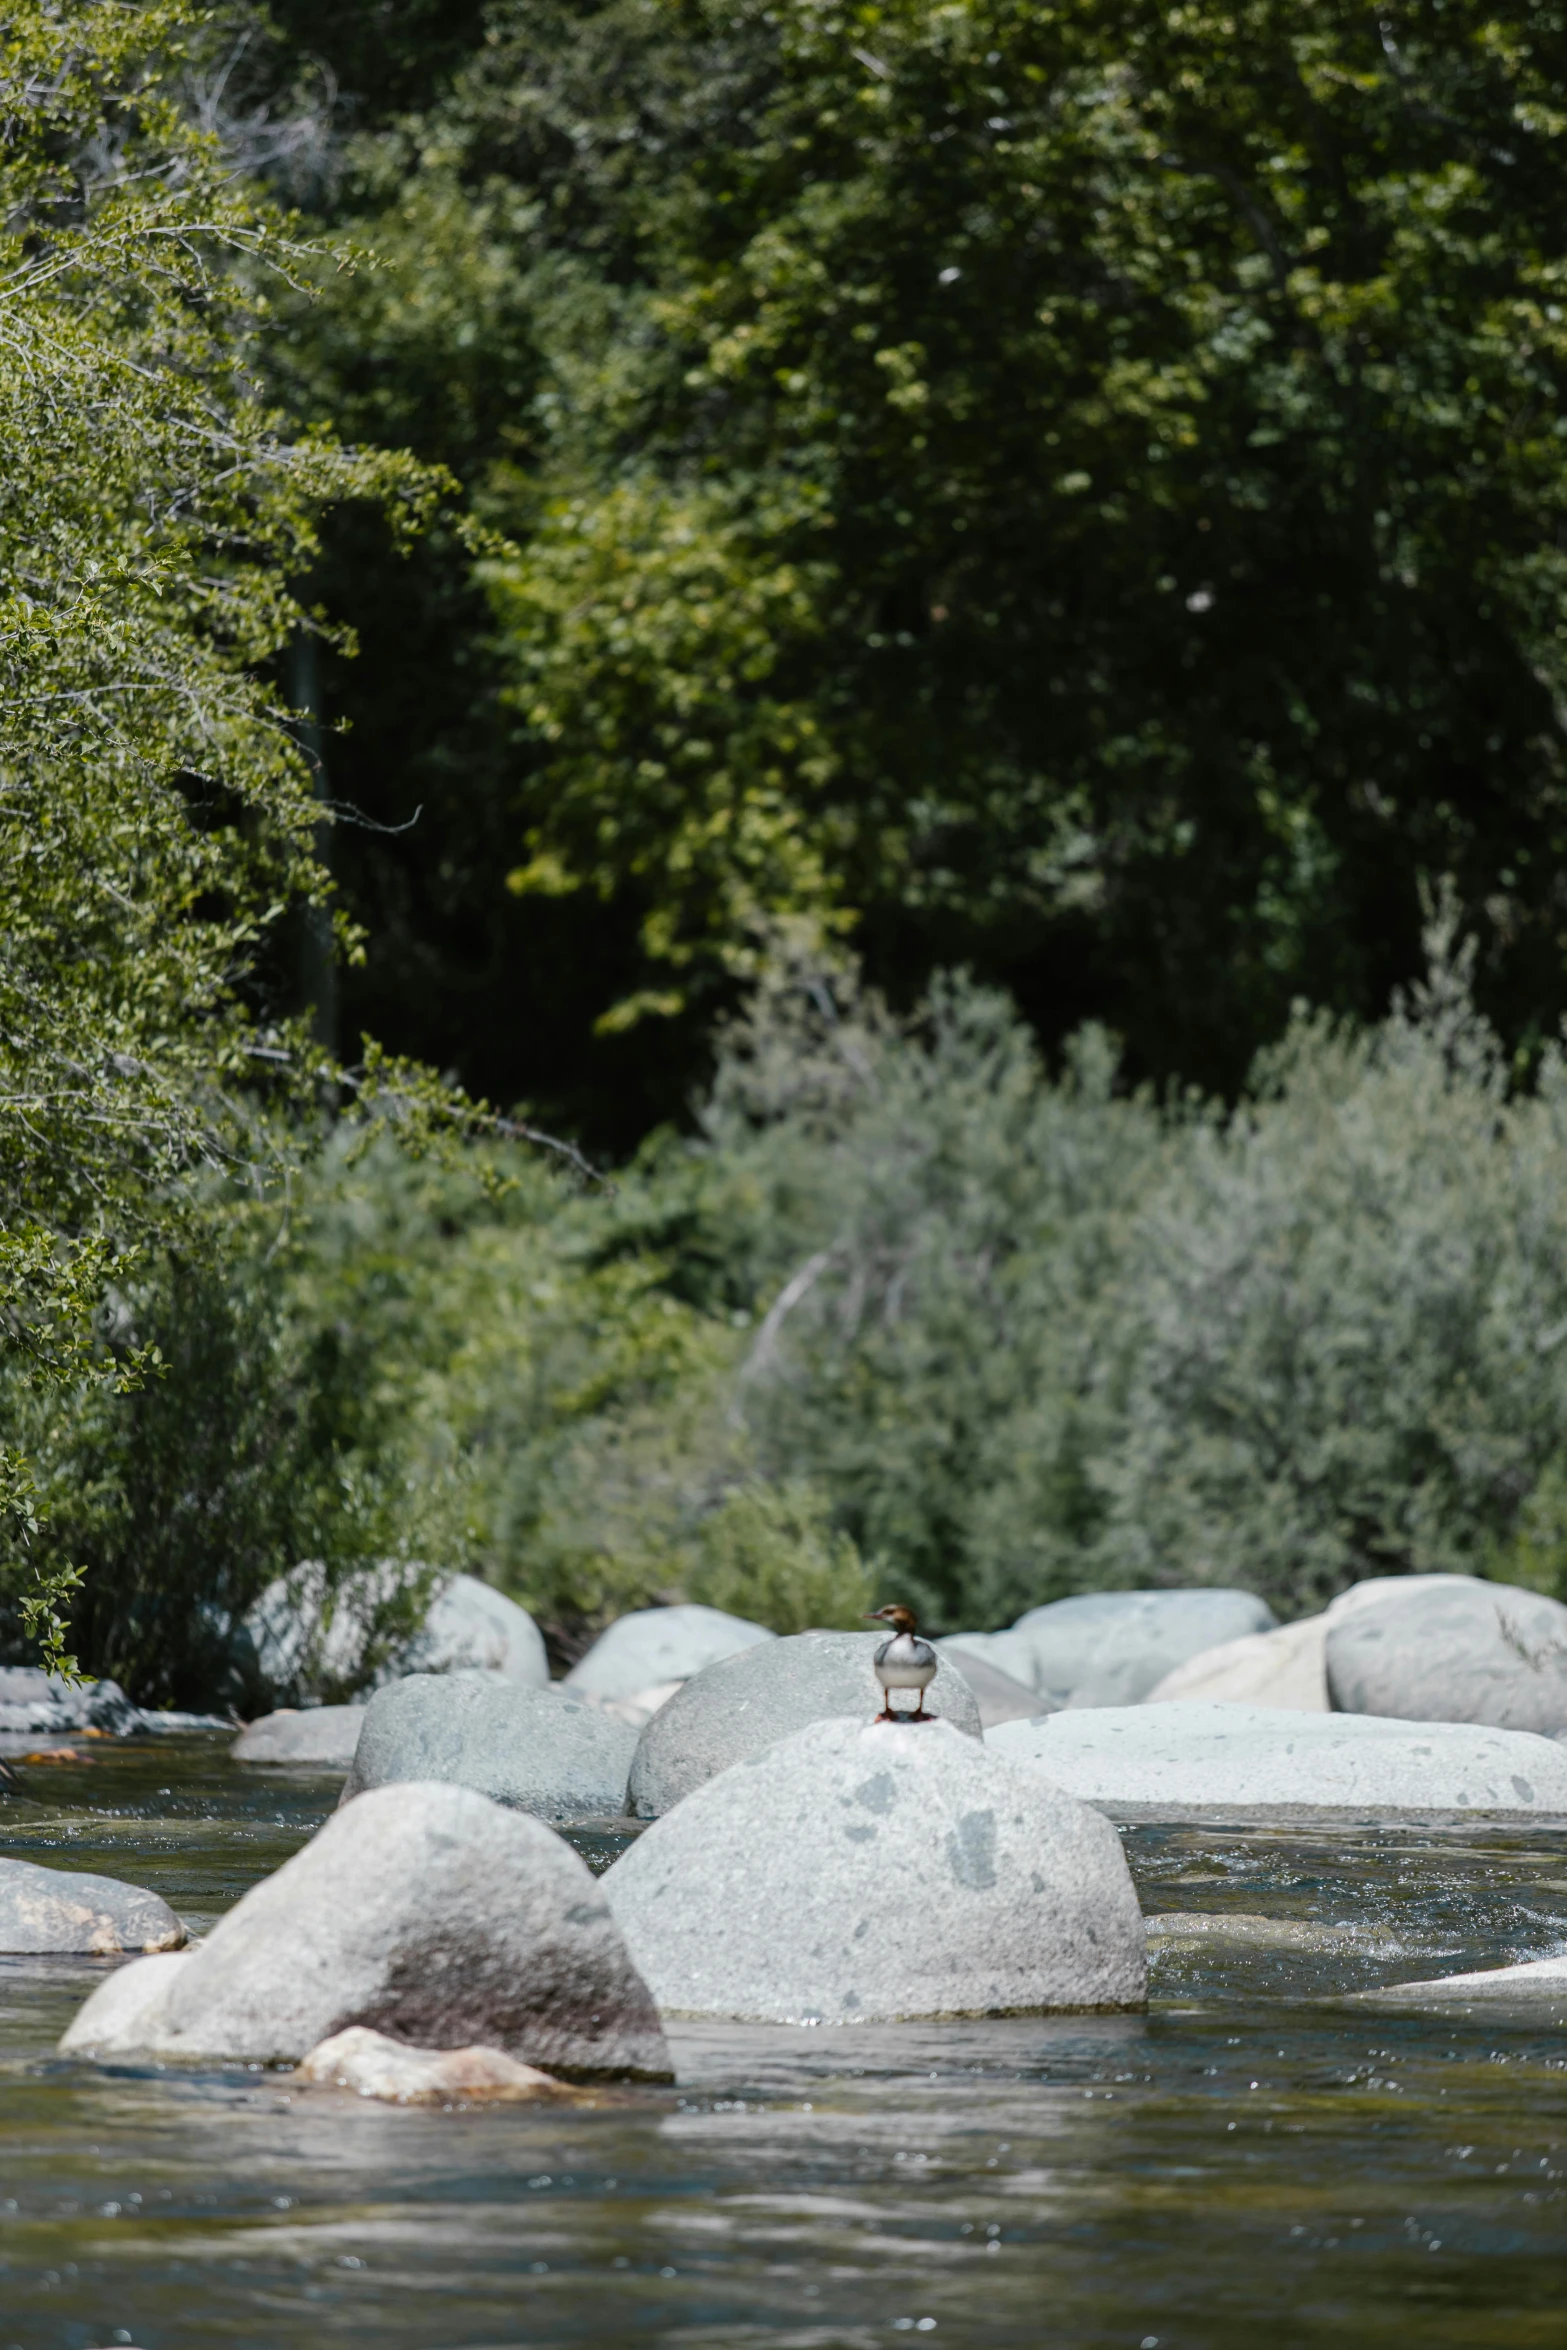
<point>1238,1762</point>
<point>539,1750</point>
<point>1113,1647</point>
<point>31,1704</point>
<point>61,1910</point>
<point>325,1735</point>
<point>753,1700</point>
<point>857,1871</point>
<point>1460,1652</point>
<point>425,1912</point>
<point>659,1644</point>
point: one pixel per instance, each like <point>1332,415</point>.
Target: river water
<point>1255,2162</point>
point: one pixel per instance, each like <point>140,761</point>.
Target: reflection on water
<point>1248,2157</point>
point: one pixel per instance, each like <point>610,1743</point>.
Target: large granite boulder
<point>1240,1762</point>
<point>473,1628</point>
<point>1283,1668</point>
<point>322,1735</point>
<point>62,1910</point>
<point>1461,1652</point>
<point>34,1705</point>
<point>752,1700</point>
<point>537,1750</point>
<point>315,1635</point>
<point>1112,1647</point>
<point>858,1871</point>
<point>1371,1590</point>
<point>999,1696</point>
<point>660,1644</point>
<point>424,1912</point>
<point>1011,1653</point>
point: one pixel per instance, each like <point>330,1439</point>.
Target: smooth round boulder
<point>1004,1652</point>
<point>1467,1652</point>
<point>310,1632</point>
<point>1112,1647</point>
<point>752,1700</point>
<point>858,1872</point>
<point>323,1735</point>
<point>999,1697</point>
<point>1283,1669</point>
<point>1371,1590</point>
<point>473,1628</point>
<point>656,1644</point>
<point>536,1750</point>
<point>1189,1761</point>
<point>424,1912</point>
<point>63,1910</point>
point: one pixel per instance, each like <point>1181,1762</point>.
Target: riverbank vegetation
<point>938,631</point>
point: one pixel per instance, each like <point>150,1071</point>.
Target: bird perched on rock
<point>903,1662</point>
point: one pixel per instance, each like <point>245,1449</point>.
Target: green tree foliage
<point>156,809</point>
<point>1076,488</point>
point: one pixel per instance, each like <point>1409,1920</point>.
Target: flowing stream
<point>1256,2161</point>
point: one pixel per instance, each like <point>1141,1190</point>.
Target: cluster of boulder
<point>799,1861</point>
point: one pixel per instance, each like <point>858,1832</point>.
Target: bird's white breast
<point>905,1663</point>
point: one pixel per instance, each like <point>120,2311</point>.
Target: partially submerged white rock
<point>539,1750</point>
<point>859,1871</point>
<point>425,1912</point>
<point>1193,1761</point>
<point>1282,1669</point>
<point>1111,1647</point>
<point>751,1700</point>
<point>63,1910</point>
<point>1540,1983</point>
<point>321,1734</point>
<point>657,1644</point>
<point>373,2066</point>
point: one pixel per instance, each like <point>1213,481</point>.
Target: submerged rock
<point>1460,1652</point>
<point>859,1871</point>
<point>537,1750</point>
<point>752,1700</point>
<point>1113,1647</point>
<point>1539,1983</point>
<point>425,1912</point>
<point>322,1734</point>
<point>1283,1669</point>
<point>658,1644</point>
<point>1198,1761</point>
<point>373,2066</point>
<point>66,1910</point>
<point>32,1704</point>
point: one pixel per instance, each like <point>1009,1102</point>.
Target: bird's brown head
<point>900,1618</point>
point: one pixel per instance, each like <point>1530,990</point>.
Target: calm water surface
<point>1254,2162</point>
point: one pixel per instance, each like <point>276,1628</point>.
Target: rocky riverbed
<point>1262,2150</point>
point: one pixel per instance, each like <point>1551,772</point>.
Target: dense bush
<point>910,1315</point>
